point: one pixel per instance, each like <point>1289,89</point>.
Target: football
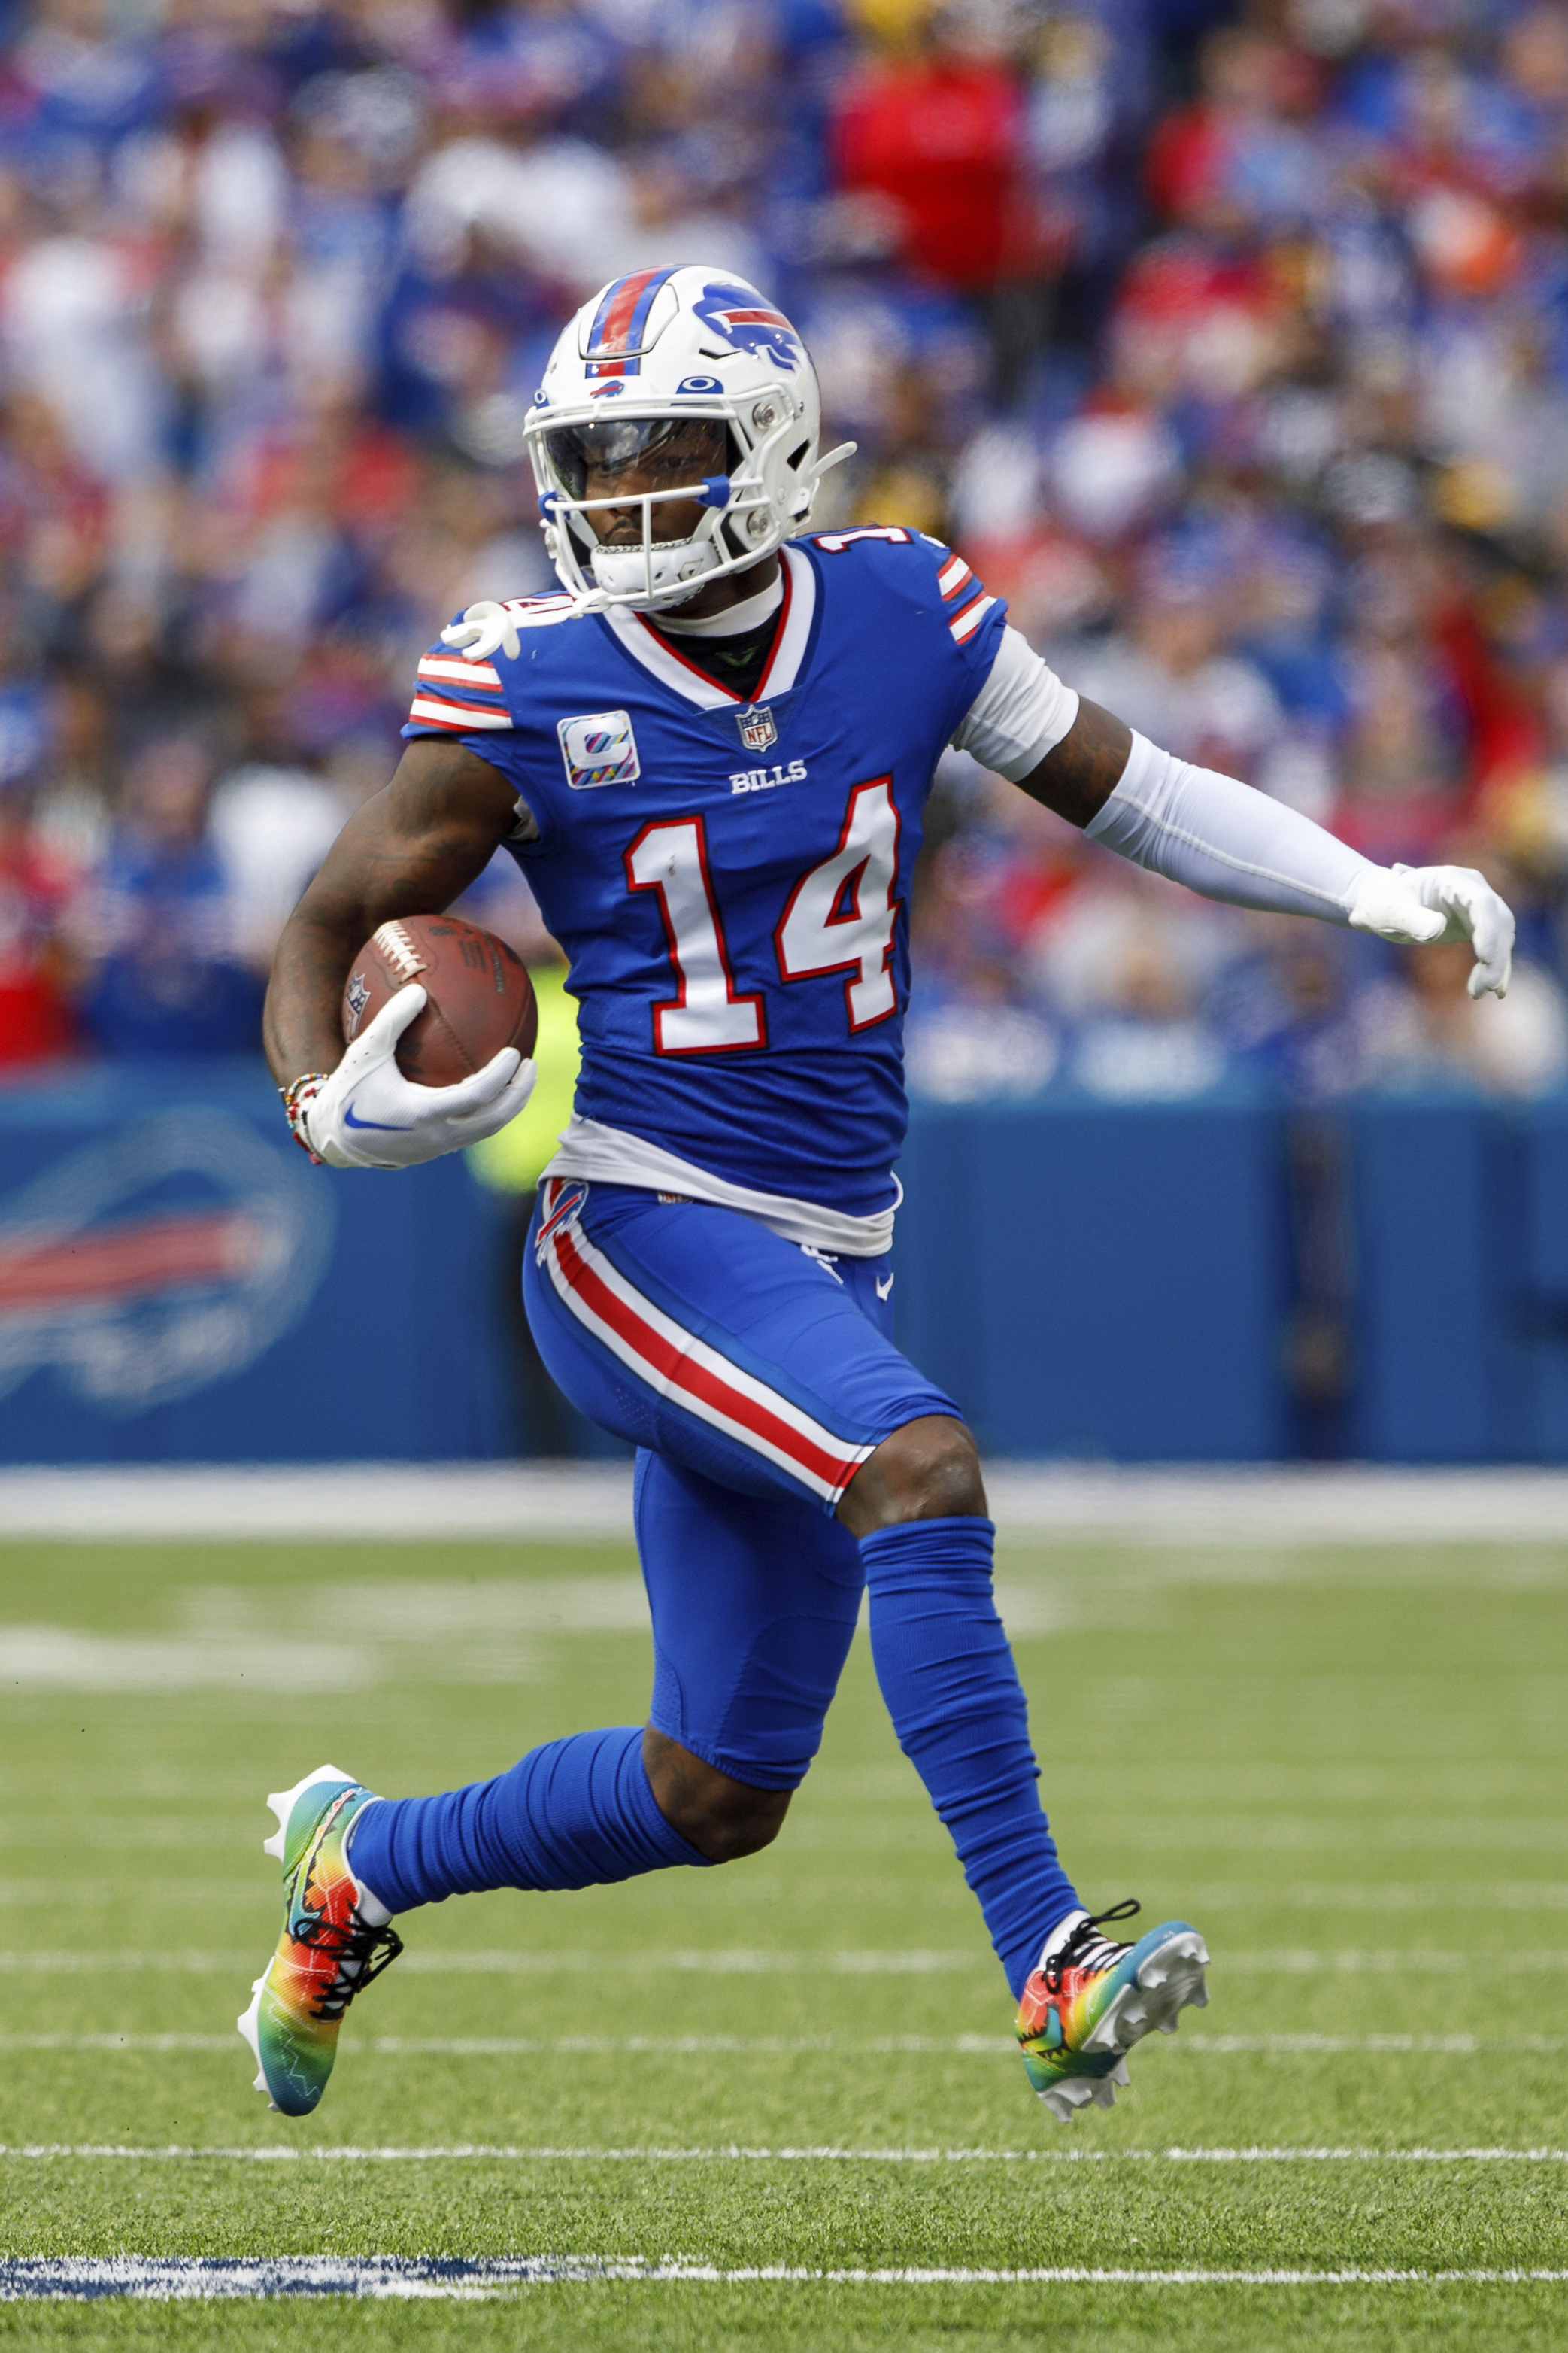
<point>479,996</point>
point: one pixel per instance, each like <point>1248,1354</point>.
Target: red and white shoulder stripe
<point>429,709</point>
<point>460,697</point>
<point>451,669</point>
<point>964,596</point>
<point>465,698</point>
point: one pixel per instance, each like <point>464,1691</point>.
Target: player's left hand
<point>1417,906</point>
<point>486,628</point>
<point>366,1114</point>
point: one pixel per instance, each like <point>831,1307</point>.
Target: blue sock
<point>951,1689</point>
<point>575,1813</point>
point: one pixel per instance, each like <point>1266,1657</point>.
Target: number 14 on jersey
<point>839,917</point>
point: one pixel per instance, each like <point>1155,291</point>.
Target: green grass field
<point>1346,1766</point>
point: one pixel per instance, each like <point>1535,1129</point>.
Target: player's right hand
<point>368,1115</point>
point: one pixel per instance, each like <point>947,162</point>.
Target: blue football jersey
<point>730,881</point>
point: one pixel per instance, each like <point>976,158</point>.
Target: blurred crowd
<point>1230,345</point>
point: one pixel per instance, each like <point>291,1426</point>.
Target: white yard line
<point>591,1503</point>
<point>741,1961</point>
<point>986,2046</point>
<point>322,1502</point>
<point>180,2278</point>
<point>1376,1897</point>
<point>501,2153</point>
<point>1285,1962</point>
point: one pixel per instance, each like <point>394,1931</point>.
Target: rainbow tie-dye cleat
<point>335,1939</point>
<point>1090,1999</point>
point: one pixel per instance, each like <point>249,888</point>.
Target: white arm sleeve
<point>1021,712</point>
<point>1226,840</point>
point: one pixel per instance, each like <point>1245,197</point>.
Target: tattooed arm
<point>1077,776</point>
<point>410,850</point>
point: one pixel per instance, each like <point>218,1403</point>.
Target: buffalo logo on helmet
<point>738,315</point>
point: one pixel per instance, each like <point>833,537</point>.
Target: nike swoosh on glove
<point>368,1115</point>
<point>485,629</point>
<point>1419,905</point>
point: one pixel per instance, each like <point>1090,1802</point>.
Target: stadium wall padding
<point>1098,1280</point>
<point>1089,1280</point>
<point>178,1284</point>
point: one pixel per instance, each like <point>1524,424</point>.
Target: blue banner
<point>1128,1282</point>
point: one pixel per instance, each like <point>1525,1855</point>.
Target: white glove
<point>1418,905</point>
<point>485,629</point>
<point>366,1114</point>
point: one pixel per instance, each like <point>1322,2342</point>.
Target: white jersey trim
<point>790,652</point>
<point>654,656</point>
<point>691,684</point>
<point>608,1155</point>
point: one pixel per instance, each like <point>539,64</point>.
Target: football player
<point>710,752</point>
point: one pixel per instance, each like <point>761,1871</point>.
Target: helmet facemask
<point>744,466</point>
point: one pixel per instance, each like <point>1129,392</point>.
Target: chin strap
<point>485,629</point>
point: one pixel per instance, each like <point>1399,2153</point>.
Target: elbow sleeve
<point>1226,840</point>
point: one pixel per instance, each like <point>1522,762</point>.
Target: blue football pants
<point>755,1378</point>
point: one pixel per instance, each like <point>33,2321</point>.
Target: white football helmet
<point>695,373</point>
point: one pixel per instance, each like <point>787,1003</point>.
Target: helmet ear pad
<point>734,458</point>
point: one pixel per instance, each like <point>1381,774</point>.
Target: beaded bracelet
<point>296,1095</point>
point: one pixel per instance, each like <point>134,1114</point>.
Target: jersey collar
<point>792,635</point>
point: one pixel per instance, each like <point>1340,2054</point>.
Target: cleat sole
<point>1074,2091</point>
<point>250,2025</point>
<point>1169,1980</point>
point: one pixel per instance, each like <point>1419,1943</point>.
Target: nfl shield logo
<point>356,996</point>
<point>758,732</point>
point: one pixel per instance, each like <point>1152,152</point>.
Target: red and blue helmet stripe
<point>620,323</point>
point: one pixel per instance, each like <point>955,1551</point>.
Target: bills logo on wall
<point>165,1258</point>
<point>598,748</point>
